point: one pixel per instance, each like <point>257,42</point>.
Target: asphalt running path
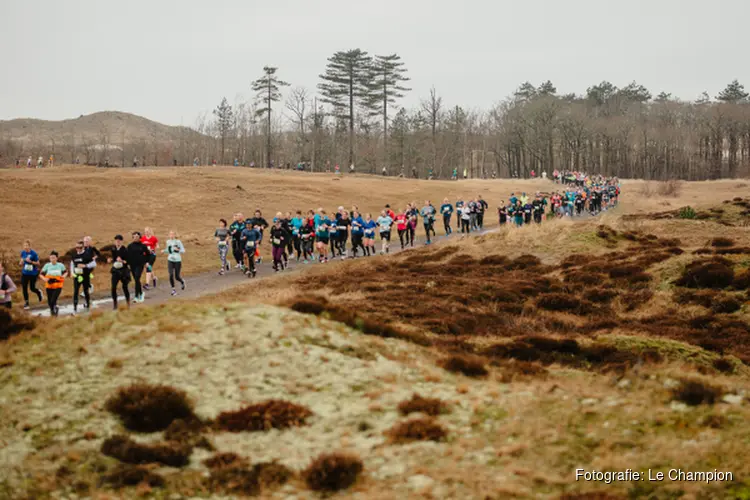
<point>211,283</point>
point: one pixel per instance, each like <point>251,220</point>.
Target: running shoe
<point>183,284</point>
<point>221,273</point>
<point>26,306</point>
<point>146,287</point>
<point>174,292</point>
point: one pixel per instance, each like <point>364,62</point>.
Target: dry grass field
<point>56,207</point>
<point>491,366</point>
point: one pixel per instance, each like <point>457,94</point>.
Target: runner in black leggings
<point>138,255</point>
<point>120,271</point>
<point>80,270</point>
<point>29,273</point>
<point>411,227</point>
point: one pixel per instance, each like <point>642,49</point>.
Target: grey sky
<point>171,60</point>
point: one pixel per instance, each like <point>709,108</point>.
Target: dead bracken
<point>150,408</point>
<point>696,392</point>
<point>225,459</point>
<point>333,471</point>
<point>271,414</point>
<point>716,273</point>
<point>234,479</point>
<point>471,366</point>
<point>126,450</point>
<point>129,475</point>
<point>419,429</point>
<point>418,404</point>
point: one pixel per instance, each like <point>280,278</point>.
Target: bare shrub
<point>333,472</point>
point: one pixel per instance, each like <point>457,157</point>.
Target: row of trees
<point>354,117</point>
<point>616,131</point>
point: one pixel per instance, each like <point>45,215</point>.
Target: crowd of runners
<point>312,237</point>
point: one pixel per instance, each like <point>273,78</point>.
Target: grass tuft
<point>150,408</point>
<point>716,274</point>
<point>271,414</point>
<point>124,475</point>
<point>471,366</point>
<point>419,429</point>
<point>333,472</point>
<point>126,450</point>
<point>418,404</point>
<point>696,392</point>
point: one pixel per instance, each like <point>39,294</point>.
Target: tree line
<point>623,131</point>
<point>354,117</point>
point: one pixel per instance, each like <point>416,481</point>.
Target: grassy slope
<point>510,434</point>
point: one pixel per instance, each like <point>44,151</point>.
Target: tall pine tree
<point>346,82</point>
<point>224,121</point>
<point>267,89</point>
<point>734,92</point>
<point>388,73</point>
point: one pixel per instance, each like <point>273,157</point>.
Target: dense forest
<point>354,117</point>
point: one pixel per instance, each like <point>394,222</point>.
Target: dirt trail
<point>211,283</point>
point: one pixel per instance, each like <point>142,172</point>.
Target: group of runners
<point>593,198</point>
<point>126,263</point>
<point>309,237</point>
<point>319,235</point>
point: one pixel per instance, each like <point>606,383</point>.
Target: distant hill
<point>111,127</point>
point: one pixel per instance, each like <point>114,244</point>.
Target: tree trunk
<point>268,127</point>
<point>351,118</point>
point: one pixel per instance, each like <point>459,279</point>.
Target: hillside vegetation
<point>488,367</point>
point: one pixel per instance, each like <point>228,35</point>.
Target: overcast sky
<point>171,60</point>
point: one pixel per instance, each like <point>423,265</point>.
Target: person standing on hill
<point>53,273</point>
<point>120,271</point>
<point>29,272</point>
<point>174,252</point>
<point>7,287</point>
<point>138,258</point>
<point>152,242</point>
